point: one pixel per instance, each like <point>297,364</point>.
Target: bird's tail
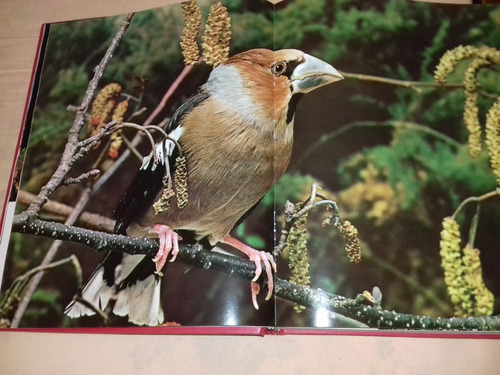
<point>125,285</point>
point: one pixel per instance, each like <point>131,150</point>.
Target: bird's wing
<point>148,181</point>
<point>135,274</point>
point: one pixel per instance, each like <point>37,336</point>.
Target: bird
<point>235,136</point>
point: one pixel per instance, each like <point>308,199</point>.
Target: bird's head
<point>269,83</point>
<point>303,71</point>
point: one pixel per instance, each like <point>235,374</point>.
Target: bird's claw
<point>259,257</point>
<point>169,244</point>
<point>255,288</point>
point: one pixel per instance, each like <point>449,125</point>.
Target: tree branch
<point>71,147</point>
<point>19,284</point>
<point>482,198</point>
<point>60,212</point>
<point>73,151</point>
<point>414,85</point>
<point>357,308</point>
<point>185,71</point>
<point>84,176</point>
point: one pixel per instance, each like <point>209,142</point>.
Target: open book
<point>386,216</point>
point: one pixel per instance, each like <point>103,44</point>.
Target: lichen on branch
<point>358,308</point>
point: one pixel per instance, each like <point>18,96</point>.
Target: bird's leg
<point>257,257</point>
<point>169,243</point>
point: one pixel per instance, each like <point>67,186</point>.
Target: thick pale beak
<point>313,73</point>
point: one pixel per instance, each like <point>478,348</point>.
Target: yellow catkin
<point>490,54</point>
<point>470,75</point>
<point>473,276</point>
<point>471,111</point>
<point>217,35</point>
<point>102,107</point>
<point>107,112</point>
<point>481,57</point>
<point>119,111</point>
<point>353,249</point>
<point>492,140</point>
<point>451,261</point>
<point>450,59</point>
<point>188,42</point>
<point>179,190</point>
<point>471,121</point>
<point>116,141</point>
<point>116,137</point>
<point>180,181</point>
<point>298,258</point>
<point>163,203</point>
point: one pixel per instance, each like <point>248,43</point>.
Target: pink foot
<point>257,257</point>
<point>169,243</point>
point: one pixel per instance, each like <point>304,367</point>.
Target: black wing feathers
<point>139,197</point>
<point>185,108</point>
<point>148,182</point>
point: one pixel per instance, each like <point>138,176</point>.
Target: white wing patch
<point>162,149</point>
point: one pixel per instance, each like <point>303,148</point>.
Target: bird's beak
<point>313,73</point>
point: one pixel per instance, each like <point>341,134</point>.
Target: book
<point>387,146</point>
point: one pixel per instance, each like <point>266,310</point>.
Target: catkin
<point>449,60</point>
<point>492,140</point>
<point>451,262</point>
<point>217,35</point>
<point>483,298</point>
<point>180,181</point>
<point>352,247</point>
<point>102,107</point>
<point>188,42</point>
<point>116,137</point>
<point>298,259</point>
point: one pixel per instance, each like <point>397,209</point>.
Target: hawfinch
<point>236,136</point>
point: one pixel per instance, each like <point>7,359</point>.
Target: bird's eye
<point>278,68</point>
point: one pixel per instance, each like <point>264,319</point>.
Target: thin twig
<point>375,124</point>
<point>139,136</point>
<point>185,71</point>
<point>92,141</point>
<point>94,308</point>
<point>141,129</point>
<point>84,176</point>
<point>292,214</point>
<point>414,85</point>
<point>311,206</point>
<point>18,285</point>
<point>62,211</point>
<point>479,199</point>
<point>70,150</point>
<point>49,256</point>
<point>132,148</point>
